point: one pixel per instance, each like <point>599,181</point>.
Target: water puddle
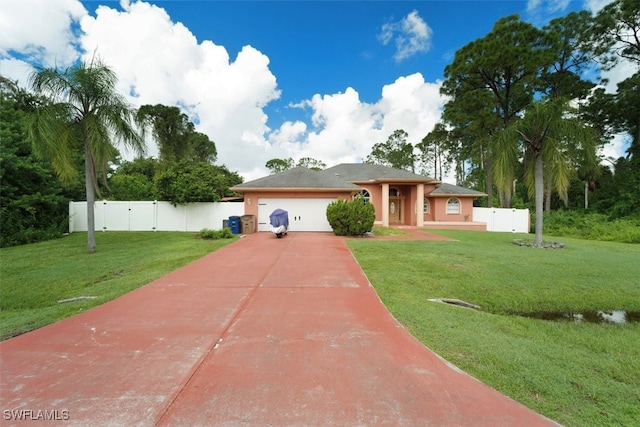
<point>611,317</point>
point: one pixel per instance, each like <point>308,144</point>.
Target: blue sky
<point>272,79</point>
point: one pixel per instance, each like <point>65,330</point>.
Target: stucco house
<point>399,197</point>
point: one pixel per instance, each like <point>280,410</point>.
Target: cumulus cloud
<point>37,32</point>
<point>411,35</point>
<point>344,128</point>
<point>165,63</point>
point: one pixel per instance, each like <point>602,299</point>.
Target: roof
<point>344,177</point>
<point>298,178</point>
<point>445,189</point>
<point>364,172</point>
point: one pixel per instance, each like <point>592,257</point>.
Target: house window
<point>364,194</point>
<point>394,192</point>
<point>453,206</point>
<point>425,206</point>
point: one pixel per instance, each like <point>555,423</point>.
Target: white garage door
<point>304,214</point>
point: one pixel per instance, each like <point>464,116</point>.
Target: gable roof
<point>298,178</point>
<point>363,172</point>
<point>445,189</point>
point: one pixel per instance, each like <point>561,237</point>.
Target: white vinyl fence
<point>152,216</point>
<point>501,219</point>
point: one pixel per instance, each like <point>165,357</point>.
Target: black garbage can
<point>234,224</point>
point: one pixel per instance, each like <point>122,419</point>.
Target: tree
<point>33,205</point>
<point>434,149</point>
<point>170,128</point>
<point>202,149</point>
<point>311,163</point>
<point>616,29</point>
<point>84,113</point>
<point>279,165</point>
<point>396,152</point>
<point>547,132</point>
<point>187,182</point>
<point>490,81</point>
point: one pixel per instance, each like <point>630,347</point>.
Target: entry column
<point>420,206</point>
<point>385,205</point>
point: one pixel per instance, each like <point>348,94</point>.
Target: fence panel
<point>501,219</point>
<point>142,216</point>
<point>148,216</point>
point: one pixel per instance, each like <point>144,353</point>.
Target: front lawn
<point>35,277</point>
<point>579,374</point>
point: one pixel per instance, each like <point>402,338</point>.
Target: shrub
<point>592,226</point>
<point>225,233</point>
<point>351,218</point>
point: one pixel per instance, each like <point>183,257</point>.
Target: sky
<point>273,79</point>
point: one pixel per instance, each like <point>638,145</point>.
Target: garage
<point>305,214</point>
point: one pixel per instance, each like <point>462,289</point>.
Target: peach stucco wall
<point>438,209</point>
<point>437,205</point>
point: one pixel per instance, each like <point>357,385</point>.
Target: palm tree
<point>550,137</point>
<point>82,116</point>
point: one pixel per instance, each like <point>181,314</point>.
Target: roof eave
<point>292,189</point>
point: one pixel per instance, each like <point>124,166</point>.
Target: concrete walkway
<point>264,332</point>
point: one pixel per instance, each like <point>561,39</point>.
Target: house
<point>400,197</point>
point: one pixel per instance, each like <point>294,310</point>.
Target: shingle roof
<point>445,189</point>
<point>342,178</point>
<point>362,172</point>
<point>299,177</point>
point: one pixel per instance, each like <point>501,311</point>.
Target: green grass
<point>35,277</point>
<point>379,230</point>
<point>578,374</point>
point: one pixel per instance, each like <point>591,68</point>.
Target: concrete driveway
<point>264,332</point>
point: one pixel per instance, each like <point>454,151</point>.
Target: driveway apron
<point>265,332</point>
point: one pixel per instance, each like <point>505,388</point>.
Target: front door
<point>395,214</point>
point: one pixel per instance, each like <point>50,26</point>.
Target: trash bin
<point>234,224</point>
<point>248,224</point>
<point>225,223</point>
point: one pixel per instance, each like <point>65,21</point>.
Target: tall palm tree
<point>550,136</point>
<point>83,115</point>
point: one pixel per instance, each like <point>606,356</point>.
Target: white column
<point>385,205</point>
<point>419,207</point>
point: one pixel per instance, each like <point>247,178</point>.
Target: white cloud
<point>40,31</point>
<point>345,128</point>
<point>412,35</point>
<point>551,6</point>
<point>164,63</point>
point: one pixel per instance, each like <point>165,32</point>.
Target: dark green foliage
<point>133,180</point>
<point>32,204</point>
<point>206,233</point>
<point>396,152</point>
<point>353,218</point>
<point>187,182</point>
<point>176,135</point>
<point>592,226</point>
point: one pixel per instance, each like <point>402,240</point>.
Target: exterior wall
<point>375,191</point>
<point>438,209</point>
<point>251,198</point>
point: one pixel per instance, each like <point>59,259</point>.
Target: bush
<point>592,226</point>
<point>351,218</point>
<point>225,233</point>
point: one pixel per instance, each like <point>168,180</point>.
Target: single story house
<point>399,197</point>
